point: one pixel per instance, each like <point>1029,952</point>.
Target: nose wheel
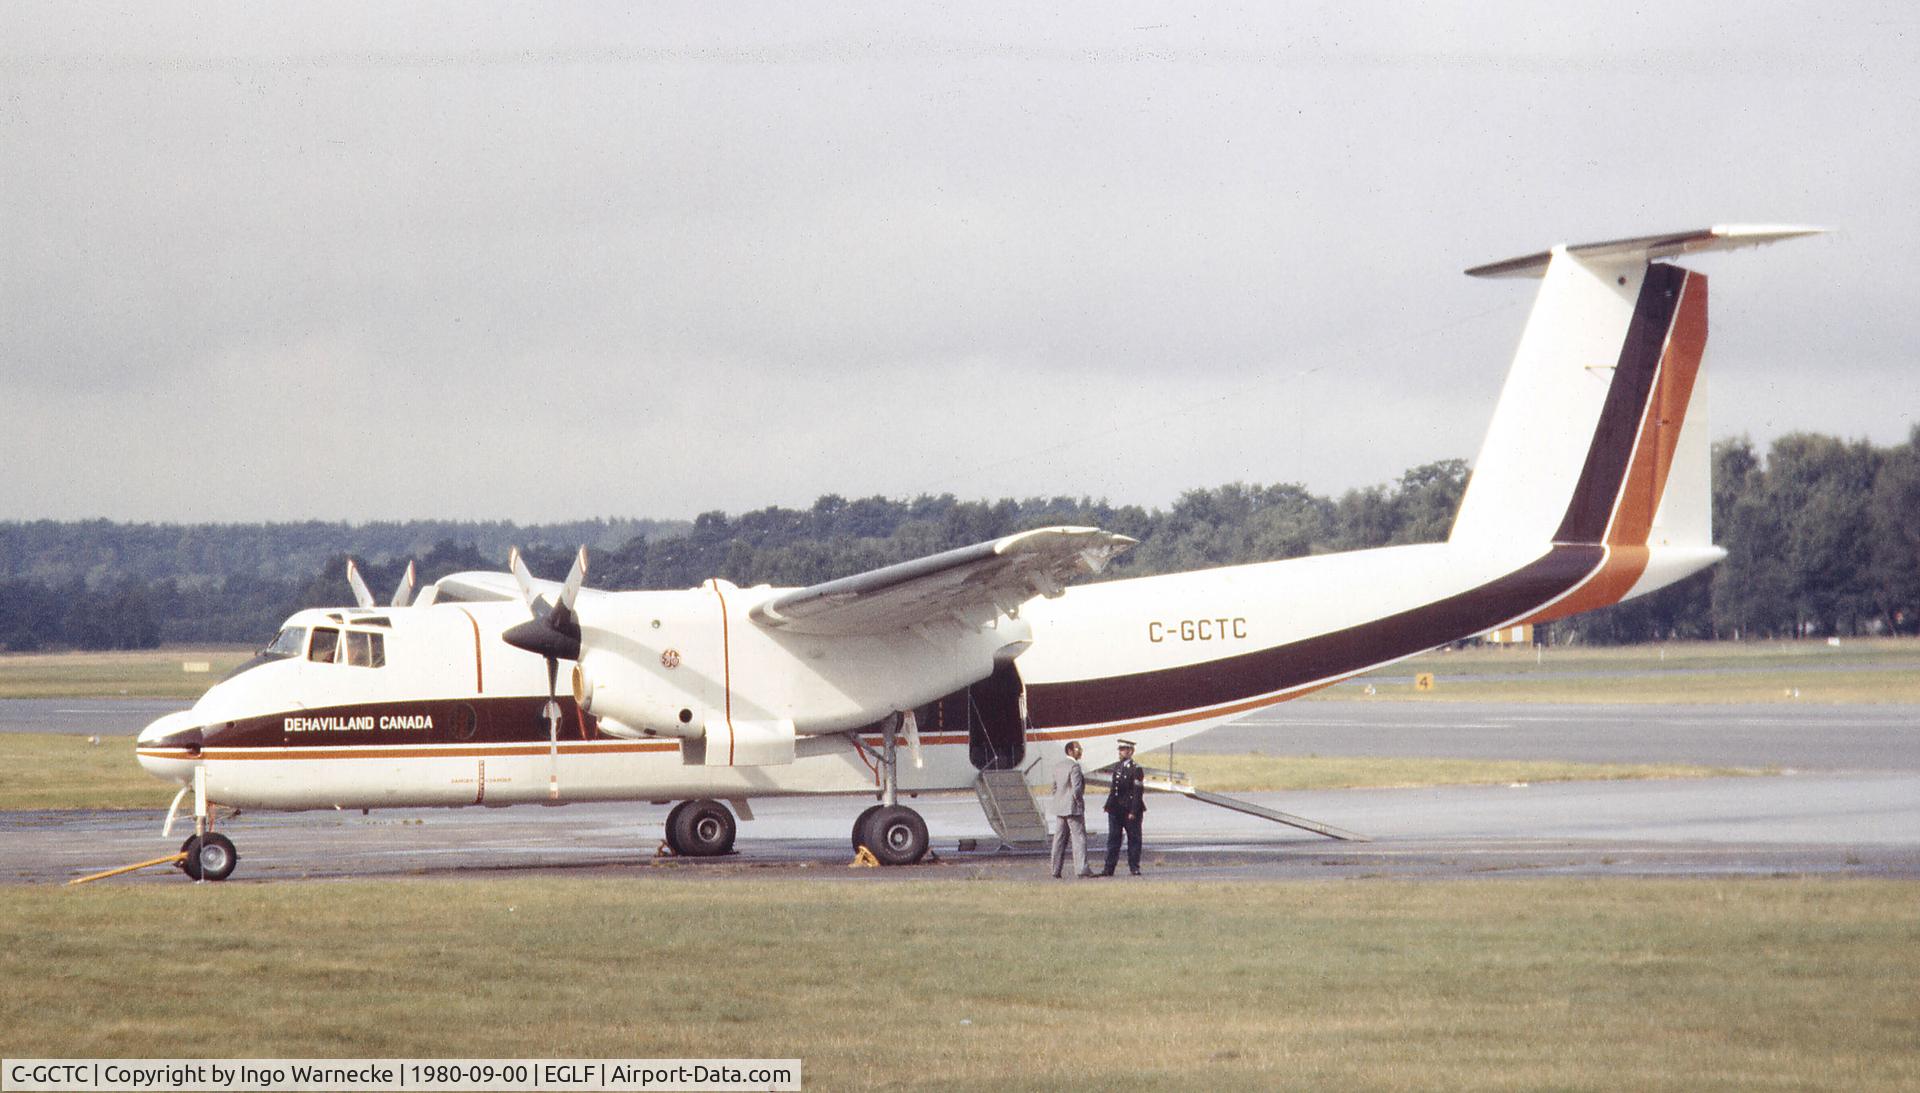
<point>209,857</point>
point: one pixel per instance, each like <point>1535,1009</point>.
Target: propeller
<point>554,633</point>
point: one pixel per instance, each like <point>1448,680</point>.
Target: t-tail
<point>1600,440</point>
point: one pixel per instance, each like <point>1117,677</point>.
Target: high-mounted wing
<point>971,585</point>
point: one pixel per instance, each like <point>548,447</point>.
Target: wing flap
<point>971,585</point>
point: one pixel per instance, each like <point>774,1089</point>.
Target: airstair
<point>1221,800</point>
<point>1173,781</point>
<point>1010,808</point>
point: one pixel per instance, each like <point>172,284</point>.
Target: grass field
<point>53,771</point>
<point>1856,670</point>
<point>145,673</point>
<point>877,982</point>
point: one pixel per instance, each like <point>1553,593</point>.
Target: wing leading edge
<point>971,585</point>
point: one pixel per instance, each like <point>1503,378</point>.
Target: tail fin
<point>1600,436</point>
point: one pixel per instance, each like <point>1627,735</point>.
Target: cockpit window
<point>366,650</point>
<point>288,644</point>
<point>325,641</point>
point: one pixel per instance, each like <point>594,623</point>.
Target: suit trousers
<point>1072,828</point>
<point>1117,823</point>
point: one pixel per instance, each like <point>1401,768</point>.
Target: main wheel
<point>673,827</point>
<point>860,827</point>
<point>896,835</point>
<point>703,829</point>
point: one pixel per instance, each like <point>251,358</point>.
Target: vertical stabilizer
<point>1600,437</point>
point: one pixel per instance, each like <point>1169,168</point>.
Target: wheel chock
<point>864,860</point>
<point>170,859</point>
<point>664,850</point>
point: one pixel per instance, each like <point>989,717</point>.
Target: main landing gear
<point>894,833</point>
<point>700,829</point>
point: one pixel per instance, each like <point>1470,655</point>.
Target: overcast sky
<point>543,262</point>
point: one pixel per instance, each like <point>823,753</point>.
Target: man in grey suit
<point>1069,792</point>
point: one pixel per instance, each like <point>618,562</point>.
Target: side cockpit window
<point>358,648</point>
<point>366,650</point>
<point>326,642</point>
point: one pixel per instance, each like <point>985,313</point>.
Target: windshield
<point>288,644</point>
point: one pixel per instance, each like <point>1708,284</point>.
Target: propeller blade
<point>403,595</point>
<point>553,631</point>
<point>561,618</point>
<point>519,567</point>
<point>360,594</point>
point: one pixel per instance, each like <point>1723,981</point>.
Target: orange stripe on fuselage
<point>479,678</point>
<point>1646,478</point>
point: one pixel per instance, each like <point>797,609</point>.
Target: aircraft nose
<point>169,748</point>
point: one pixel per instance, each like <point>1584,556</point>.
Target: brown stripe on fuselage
<point>475,719</point>
<point>610,747</point>
<point>1194,691</point>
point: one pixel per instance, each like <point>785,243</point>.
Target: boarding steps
<point>1221,800</point>
<point>1010,808</point>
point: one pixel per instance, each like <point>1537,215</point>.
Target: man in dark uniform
<point>1126,803</point>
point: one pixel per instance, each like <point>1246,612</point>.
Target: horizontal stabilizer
<point>1645,248</point>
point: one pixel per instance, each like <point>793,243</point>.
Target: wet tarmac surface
<point>1851,824</point>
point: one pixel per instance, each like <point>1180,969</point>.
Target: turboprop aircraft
<point>1591,487</point>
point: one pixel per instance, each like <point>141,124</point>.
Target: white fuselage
<point>454,715</point>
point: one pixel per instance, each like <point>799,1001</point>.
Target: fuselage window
<point>288,644</point>
<point>379,655</point>
<point>326,641</point>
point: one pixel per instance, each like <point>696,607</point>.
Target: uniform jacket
<point>1128,794</point>
<point>1069,788</point>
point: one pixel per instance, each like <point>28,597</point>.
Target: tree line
<point>1822,535</point>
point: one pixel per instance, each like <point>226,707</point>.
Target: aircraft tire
<point>190,865</point>
<point>860,836</point>
<point>673,827</point>
<point>216,857</point>
<point>705,829</point>
<point>898,836</point>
